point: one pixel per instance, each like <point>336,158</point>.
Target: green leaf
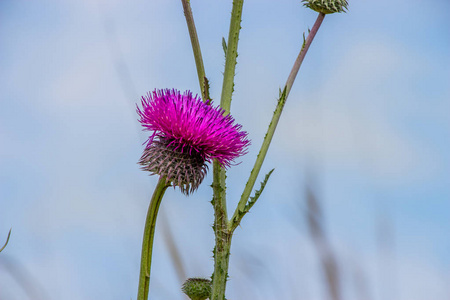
<point>224,46</point>
<point>206,89</point>
<point>304,38</point>
<point>253,199</point>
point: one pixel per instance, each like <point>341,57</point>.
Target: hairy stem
<point>149,234</point>
<point>195,48</point>
<point>274,122</point>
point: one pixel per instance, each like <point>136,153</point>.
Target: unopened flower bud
<point>326,6</point>
<point>197,288</point>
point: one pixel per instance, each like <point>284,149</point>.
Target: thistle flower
<point>187,134</point>
<point>326,6</point>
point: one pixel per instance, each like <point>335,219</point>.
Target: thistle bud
<point>326,6</point>
<point>197,288</point>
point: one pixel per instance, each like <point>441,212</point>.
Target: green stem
<point>149,234</point>
<point>221,261</point>
<point>196,48</point>
<point>273,123</point>
<point>222,235</point>
<point>231,55</point>
<point>221,231</point>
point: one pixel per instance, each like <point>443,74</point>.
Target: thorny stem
<point>274,122</point>
<point>222,228</point>
<point>222,235</point>
<point>149,234</point>
<point>221,231</point>
<point>231,55</point>
<point>195,48</point>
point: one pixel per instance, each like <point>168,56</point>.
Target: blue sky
<point>368,116</point>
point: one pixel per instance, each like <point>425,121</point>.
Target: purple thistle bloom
<point>188,134</point>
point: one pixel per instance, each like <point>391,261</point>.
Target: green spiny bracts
<point>326,6</point>
<point>197,288</point>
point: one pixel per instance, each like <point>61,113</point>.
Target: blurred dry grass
<point>174,250</point>
<point>20,275</point>
<point>327,257</point>
<point>253,264</point>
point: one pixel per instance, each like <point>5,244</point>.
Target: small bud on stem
<point>327,6</point>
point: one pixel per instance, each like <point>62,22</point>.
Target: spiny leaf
<point>253,199</point>
<point>304,38</point>
<point>206,88</point>
<point>282,98</point>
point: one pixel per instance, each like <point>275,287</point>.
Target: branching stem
<point>274,122</point>
<point>221,231</point>
<point>223,228</point>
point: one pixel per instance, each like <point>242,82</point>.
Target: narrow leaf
<point>224,46</point>
<point>206,89</point>
<point>253,199</point>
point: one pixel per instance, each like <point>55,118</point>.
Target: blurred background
<point>358,207</point>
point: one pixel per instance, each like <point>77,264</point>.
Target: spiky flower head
<point>326,6</point>
<point>197,288</point>
<point>187,134</point>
